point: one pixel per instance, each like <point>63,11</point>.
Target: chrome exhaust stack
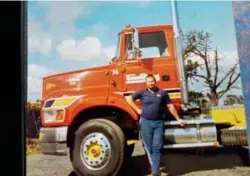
<point>184,84</point>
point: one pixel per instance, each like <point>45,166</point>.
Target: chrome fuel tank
<point>198,130</point>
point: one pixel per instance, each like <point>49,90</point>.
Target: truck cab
<point>141,51</point>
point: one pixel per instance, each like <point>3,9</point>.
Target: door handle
<point>132,62</point>
<point>113,83</point>
<point>123,69</point>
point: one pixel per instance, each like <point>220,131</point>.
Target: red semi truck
<point>85,111</point>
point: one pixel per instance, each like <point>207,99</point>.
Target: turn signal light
<point>59,115</point>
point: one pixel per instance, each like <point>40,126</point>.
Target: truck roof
<point>147,28</point>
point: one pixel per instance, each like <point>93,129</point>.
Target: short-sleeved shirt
<point>153,104</point>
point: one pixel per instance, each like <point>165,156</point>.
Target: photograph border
<point>13,48</point>
<point>244,58</point>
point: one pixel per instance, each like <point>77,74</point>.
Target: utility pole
<point>179,54</point>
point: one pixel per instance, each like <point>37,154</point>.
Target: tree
<point>233,99</point>
<point>197,44</point>
<point>195,96</point>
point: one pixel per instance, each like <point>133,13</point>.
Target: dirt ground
<point>220,162</point>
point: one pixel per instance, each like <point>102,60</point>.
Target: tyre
<point>98,148</point>
<point>234,137</point>
<point>128,150</point>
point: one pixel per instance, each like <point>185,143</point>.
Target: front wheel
<point>98,149</point>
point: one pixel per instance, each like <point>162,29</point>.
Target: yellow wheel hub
<point>94,151</point>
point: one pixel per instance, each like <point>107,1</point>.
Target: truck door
<point>115,72</point>
<point>156,57</point>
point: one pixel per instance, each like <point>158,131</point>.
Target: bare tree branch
<point>229,85</point>
<point>216,67</point>
<point>231,73</point>
<point>197,43</point>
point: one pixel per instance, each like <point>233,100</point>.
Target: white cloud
<point>38,40</point>
<point>90,48</point>
<point>61,17</point>
<point>57,23</point>
<point>64,12</point>
<point>41,45</point>
<point>35,76</point>
<point>229,58</point>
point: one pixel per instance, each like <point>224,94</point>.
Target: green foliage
<point>233,99</point>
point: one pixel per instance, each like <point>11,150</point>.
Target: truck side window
<point>152,44</point>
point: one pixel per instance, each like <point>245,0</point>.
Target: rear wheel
<point>234,137</point>
<point>98,149</point>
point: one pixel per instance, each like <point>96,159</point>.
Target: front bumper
<point>53,140</point>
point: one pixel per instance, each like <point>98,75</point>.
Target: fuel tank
<point>197,132</point>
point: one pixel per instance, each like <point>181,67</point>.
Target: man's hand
<point>182,122</point>
<point>175,114</point>
<point>139,111</point>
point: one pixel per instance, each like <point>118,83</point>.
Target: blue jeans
<point>152,132</point>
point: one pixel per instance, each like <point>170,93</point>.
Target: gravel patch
<point>219,162</point>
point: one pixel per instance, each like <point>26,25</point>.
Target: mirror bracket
<point>135,43</point>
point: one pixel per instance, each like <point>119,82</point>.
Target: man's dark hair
<point>150,76</point>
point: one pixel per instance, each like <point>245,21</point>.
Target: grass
<point>32,146</point>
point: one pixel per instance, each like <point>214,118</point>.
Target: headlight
<point>53,115</point>
<point>54,109</point>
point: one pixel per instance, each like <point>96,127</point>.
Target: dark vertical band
<point>13,86</point>
<point>241,11</point>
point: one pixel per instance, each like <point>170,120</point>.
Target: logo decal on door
<point>133,78</point>
<point>115,72</point>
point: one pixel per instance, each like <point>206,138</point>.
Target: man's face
<point>150,82</point>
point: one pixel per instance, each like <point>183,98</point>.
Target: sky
<point>65,36</point>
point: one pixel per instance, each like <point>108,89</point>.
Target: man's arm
<point>131,101</point>
<point>172,110</point>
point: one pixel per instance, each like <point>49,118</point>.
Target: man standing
<point>153,101</point>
